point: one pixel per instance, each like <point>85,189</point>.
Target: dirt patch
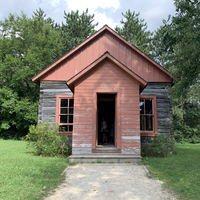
<point>109,181</point>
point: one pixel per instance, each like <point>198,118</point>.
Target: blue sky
<point>106,11</point>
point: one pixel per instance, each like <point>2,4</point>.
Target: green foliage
<point>47,140</point>
<point>24,176</point>
<point>179,172</point>
<point>187,123</point>
<point>134,31</point>
<point>27,46</point>
<point>76,29</point>
<point>181,41</point>
<point>176,47</point>
<point>159,146</point>
<point>159,52</point>
<point>15,115</point>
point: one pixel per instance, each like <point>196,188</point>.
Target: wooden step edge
<point>106,151</point>
<point>105,158</point>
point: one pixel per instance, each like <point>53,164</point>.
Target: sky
<point>106,11</point>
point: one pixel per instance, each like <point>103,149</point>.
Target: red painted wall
<point>92,50</point>
<point>106,77</point>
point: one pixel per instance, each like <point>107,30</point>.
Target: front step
<point>106,148</point>
<point>101,157</point>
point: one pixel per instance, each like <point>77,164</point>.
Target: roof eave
<point>86,70</point>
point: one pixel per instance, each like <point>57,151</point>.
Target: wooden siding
<point>164,107</point>
<point>106,77</point>
<point>47,103</point>
<point>103,58</point>
<point>95,48</point>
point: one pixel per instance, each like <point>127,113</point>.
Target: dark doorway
<point>106,109</point>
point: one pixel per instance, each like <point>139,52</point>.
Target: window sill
<point>148,133</point>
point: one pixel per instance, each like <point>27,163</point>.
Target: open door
<point>106,109</point>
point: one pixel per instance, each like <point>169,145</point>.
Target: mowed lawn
<point>24,176</point>
<point>180,172</point>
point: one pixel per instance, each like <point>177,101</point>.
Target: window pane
<point>62,128</point>
<point>148,106</point>
<point>66,128</point>
<point>70,118</point>
<point>64,102</point>
<point>70,128</point>
<point>141,106</point>
<point>63,110</point>
<point>71,110</point>
<point>71,102</point>
<point>63,119</point>
<point>149,123</point>
<point>142,123</point>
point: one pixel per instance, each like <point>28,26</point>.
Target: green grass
<point>24,176</point>
<point>179,172</point>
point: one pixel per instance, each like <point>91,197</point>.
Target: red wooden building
<point>106,76</point>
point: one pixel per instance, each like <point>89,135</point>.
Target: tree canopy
<point>134,30</point>
<point>76,29</point>
<point>176,45</point>
<point>27,46</point>
<point>182,43</point>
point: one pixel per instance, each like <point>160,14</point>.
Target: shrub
<point>160,146</point>
<point>48,140</point>
<point>187,124</point>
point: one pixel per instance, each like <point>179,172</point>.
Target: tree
<point>27,46</point>
<point>134,31</point>
<point>159,53</point>
<point>76,29</point>
<point>176,46</point>
<point>181,41</point>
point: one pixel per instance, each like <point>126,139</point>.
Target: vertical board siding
<point>95,48</point>
<point>164,107</point>
<point>106,76</point>
<point>47,103</point>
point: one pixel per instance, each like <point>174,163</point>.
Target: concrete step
<point>106,150</point>
<point>102,157</point>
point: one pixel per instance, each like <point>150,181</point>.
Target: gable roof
<point>49,69</point>
<point>106,55</point>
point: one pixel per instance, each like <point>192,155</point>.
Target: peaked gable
<point>92,48</point>
<point>71,82</point>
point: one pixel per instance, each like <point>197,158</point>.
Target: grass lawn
<point>180,172</point>
<point>24,176</point>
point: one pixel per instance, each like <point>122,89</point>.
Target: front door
<point>106,119</point>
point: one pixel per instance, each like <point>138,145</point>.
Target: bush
<point>48,140</point>
<point>187,134</point>
<point>187,127</point>
<point>160,146</point>
<point>16,114</point>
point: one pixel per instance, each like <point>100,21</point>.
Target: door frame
<point>117,93</point>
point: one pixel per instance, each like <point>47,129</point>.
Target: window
<point>64,112</point>
<point>148,116</point>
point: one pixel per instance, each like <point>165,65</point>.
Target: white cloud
<point>91,4</point>
<point>92,7</point>
<point>54,2</point>
<point>103,20</point>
